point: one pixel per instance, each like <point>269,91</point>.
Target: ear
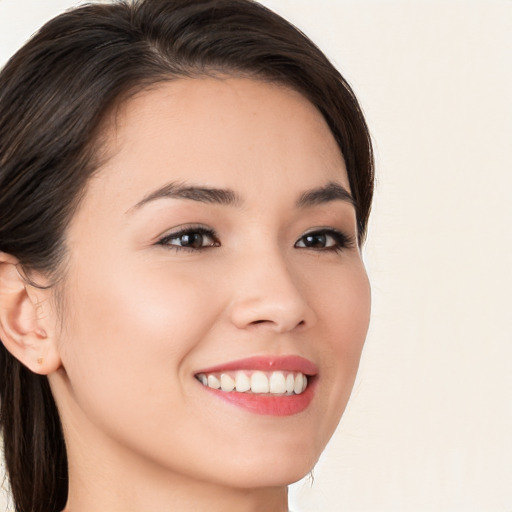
<point>27,326</point>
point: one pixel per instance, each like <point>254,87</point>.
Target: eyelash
<point>189,230</point>
<point>341,240</point>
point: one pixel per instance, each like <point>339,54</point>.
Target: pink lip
<point>272,405</point>
<point>267,364</point>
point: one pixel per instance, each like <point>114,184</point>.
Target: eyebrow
<point>330,192</point>
<point>321,195</point>
<point>201,194</point>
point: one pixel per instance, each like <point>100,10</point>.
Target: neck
<point>109,471</point>
<point>103,477</point>
<point>145,496</point>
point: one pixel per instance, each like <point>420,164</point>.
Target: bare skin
<point>145,310</point>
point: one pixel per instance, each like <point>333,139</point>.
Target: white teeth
<point>213,382</point>
<point>299,381</point>
<point>290,383</point>
<point>259,383</point>
<point>226,383</point>
<point>243,383</point>
<point>276,383</point>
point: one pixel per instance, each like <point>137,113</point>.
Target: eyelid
<point>343,240</point>
<point>185,229</point>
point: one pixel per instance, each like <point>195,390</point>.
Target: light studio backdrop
<point>429,425</point>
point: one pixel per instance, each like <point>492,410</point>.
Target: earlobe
<point>24,330</point>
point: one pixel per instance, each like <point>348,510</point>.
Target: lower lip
<point>271,405</point>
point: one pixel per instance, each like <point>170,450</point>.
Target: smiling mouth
<point>269,385</point>
<point>277,383</point>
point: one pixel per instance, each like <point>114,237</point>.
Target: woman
<point>184,191</point>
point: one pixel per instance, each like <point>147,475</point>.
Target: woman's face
<point>216,246</point>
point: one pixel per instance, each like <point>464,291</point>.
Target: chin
<point>274,468</point>
<point>275,475</point>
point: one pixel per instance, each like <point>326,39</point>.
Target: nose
<point>269,296</point>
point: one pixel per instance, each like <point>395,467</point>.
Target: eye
<point>325,239</point>
<point>191,238</point>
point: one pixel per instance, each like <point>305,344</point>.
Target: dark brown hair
<point>54,94</point>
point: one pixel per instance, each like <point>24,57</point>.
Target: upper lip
<point>291,363</point>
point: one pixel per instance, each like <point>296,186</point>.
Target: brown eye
<point>315,241</point>
<point>193,239</point>
<point>326,239</point>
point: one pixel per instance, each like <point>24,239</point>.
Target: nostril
<point>283,310</point>
<point>258,322</point>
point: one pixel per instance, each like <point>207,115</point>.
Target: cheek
<point>343,315</point>
<point>354,319</point>
<point>129,333</point>
<point>345,311</point>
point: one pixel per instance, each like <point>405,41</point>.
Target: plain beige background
<point>429,426</point>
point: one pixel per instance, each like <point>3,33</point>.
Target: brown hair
<point>54,94</point>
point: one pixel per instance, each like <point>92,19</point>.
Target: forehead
<point>230,132</point>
